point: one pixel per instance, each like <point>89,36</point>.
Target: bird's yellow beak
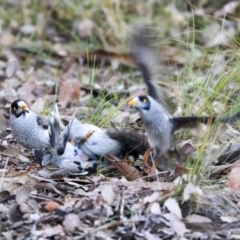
<point>132,102</point>
<point>24,106</point>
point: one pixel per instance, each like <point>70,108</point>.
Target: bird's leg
<point>146,156</point>
<point>86,137</point>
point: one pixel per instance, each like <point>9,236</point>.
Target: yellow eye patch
<point>14,108</point>
<point>144,100</point>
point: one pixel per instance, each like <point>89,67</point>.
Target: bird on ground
<point>80,146</point>
<point>28,128</point>
<point>64,153</point>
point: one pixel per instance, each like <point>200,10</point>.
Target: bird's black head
<point>18,107</point>
<point>141,102</point>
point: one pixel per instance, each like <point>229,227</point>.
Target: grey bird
<point>154,110</point>
<point>92,140</point>
<point>63,154</point>
<point>160,125</point>
<point>95,142</point>
<point>28,128</point>
<point>81,145</point>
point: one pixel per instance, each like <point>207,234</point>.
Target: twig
<point>9,155</point>
<point>41,179</point>
<point>103,227</point>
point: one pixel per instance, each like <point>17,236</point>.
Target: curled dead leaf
<point>185,147</point>
<point>233,179</point>
<point>155,208</point>
<point>51,205</point>
<point>128,171</point>
<point>173,207</point>
<point>108,194</point>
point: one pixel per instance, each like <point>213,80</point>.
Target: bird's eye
<point>14,108</point>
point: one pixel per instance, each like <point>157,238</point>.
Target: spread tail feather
<point>193,121</point>
<point>54,128</point>
<point>133,143</point>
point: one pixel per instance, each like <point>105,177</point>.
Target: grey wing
<point>43,121</point>
<point>146,59</point>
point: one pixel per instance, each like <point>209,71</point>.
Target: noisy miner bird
<point>63,154</point>
<point>160,125</point>
<point>95,142</point>
<point>81,145</point>
<point>28,128</point>
<point>154,110</point>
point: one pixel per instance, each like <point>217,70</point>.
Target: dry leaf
<point>152,198</point>
<point>194,218</point>
<point>34,205</point>
<point>173,207</point>
<point>108,194</point>
<point>69,90</point>
<point>227,9</point>
<point>233,179</point>
<point>52,231</point>
<point>128,171</point>
<point>51,205</point>
<point>176,224</point>
<point>23,158</point>
<point>185,148</point>
<point>8,235</point>
<point>3,125</point>
<point>27,29</point>
<point>189,190</point>
<point>229,153</point>
<point>11,69</point>
<point>71,222</point>
<point>155,208</point>
<point>27,88</point>
<point>6,39</point>
<point>23,195</point>
<point>12,150</point>
<point>150,236</point>
<point>38,105</point>
<point>229,219</point>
